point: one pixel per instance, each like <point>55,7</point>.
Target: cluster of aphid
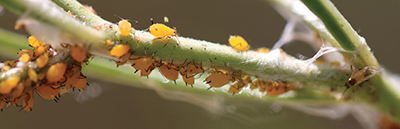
<point>34,72</point>
<point>188,70</point>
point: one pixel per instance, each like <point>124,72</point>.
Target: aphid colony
<point>188,70</point>
<point>33,72</point>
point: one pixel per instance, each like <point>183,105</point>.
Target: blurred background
<point>108,105</point>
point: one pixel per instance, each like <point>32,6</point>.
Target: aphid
<point>160,30</point>
<point>108,42</point>
<point>2,104</point>
<point>78,53</point>
<point>39,50</point>
<point>238,86</point>
<point>27,104</point>
<point>56,72</point>
<point>120,50</point>
<point>123,59</point>
<point>7,85</point>
<point>263,50</point>
<point>90,8</point>
<point>166,19</point>
<point>146,72</point>
<point>81,83</point>
<point>34,42</point>
<point>25,57</point>
<point>42,60</point>
<point>48,92</point>
<point>143,63</point>
<point>187,77</point>
<point>125,27</point>
<point>219,78</point>
<point>280,88</point>
<point>238,43</point>
<point>25,51</point>
<point>169,71</point>
<point>32,75</point>
<point>360,75</point>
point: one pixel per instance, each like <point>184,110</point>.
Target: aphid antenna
<point>344,93</point>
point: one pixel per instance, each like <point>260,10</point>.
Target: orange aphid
<point>56,72</point>
<point>11,63</point>
<point>238,86</point>
<point>143,63</point>
<point>81,83</point>
<point>32,75</point>
<point>187,77</point>
<point>169,71</point>
<point>78,53</point>
<point>7,85</point>
<point>219,79</point>
<point>17,93</point>
<point>160,30</point>
<point>108,42</point>
<point>42,60</point>
<point>146,72</point>
<point>2,104</point>
<point>125,27</point>
<point>27,104</point>
<point>72,76</point>
<point>48,92</point>
<point>25,57</point>
<point>123,59</point>
<point>120,50</point>
<point>34,42</point>
<point>238,43</point>
<point>280,89</point>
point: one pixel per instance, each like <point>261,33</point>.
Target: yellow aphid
<point>125,27</point>
<point>6,68</point>
<point>27,104</point>
<point>169,71</point>
<point>69,12</point>
<point>25,51</point>
<point>166,19</point>
<point>42,60</point>
<point>25,57</point>
<point>48,92</point>
<point>32,75</point>
<point>238,43</point>
<point>56,72</point>
<point>40,50</point>
<point>7,85</point>
<point>78,53</point>
<point>160,30</point>
<point>219,79</point>
<point>263,50</point>
<point>120,50</point>
<point>34,42</point>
